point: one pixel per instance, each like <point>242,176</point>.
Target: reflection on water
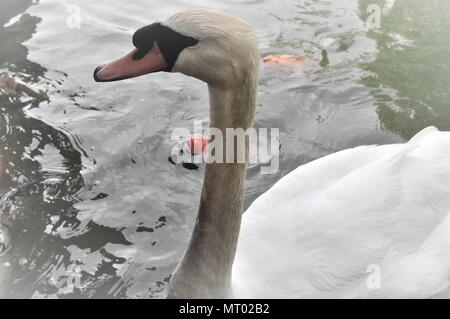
<point>39,181</point>
<point>411,73</point>
<point>89,204</point>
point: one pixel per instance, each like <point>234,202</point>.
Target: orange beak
<point>128,67</point>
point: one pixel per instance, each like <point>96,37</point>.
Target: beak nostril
<point>140,53</point>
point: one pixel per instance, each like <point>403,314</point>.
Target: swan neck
<point>205,270</point>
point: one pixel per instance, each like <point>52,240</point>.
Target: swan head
<point>212,46</point>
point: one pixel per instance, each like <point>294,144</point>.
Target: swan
<point>367,222</point>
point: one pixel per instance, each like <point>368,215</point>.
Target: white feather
<point>316,231</point>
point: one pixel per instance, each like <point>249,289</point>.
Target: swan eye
<point>170,42</point>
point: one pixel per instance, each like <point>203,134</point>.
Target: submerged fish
<point>285,59</point>
<point>296,60</point>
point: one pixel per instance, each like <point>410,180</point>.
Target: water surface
<point>89,204</point>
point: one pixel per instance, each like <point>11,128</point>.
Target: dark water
<point>89,204</point>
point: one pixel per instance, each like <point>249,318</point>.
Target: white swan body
<point>320,229</point>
